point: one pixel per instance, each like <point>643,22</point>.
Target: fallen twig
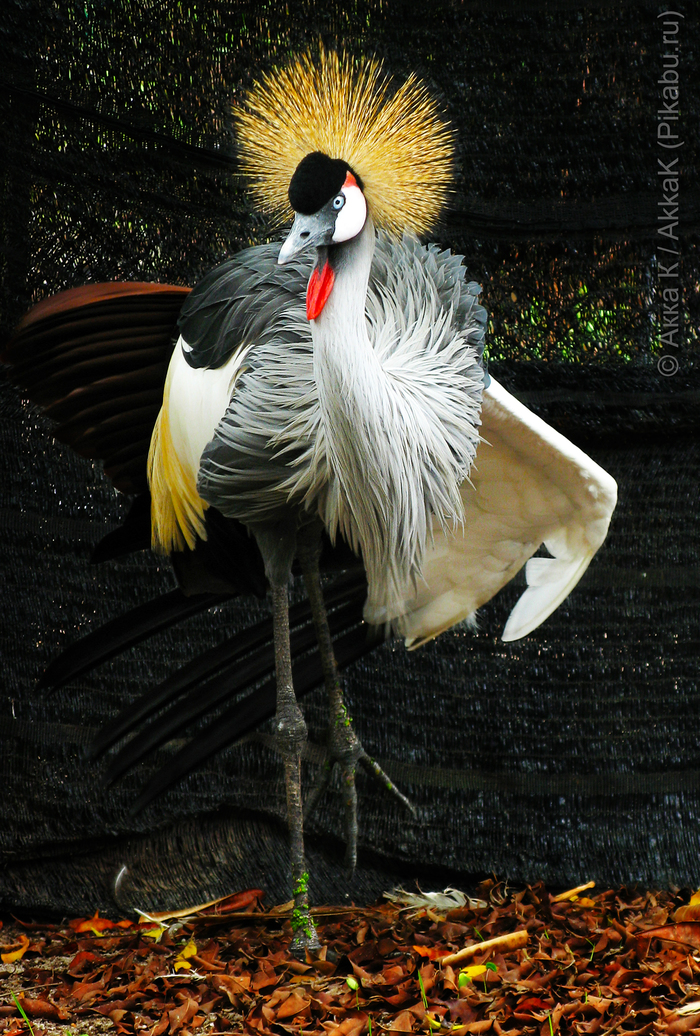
<point>511,941</point>
<point>564,896</point>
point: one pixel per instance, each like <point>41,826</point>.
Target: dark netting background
<point>571,755</point>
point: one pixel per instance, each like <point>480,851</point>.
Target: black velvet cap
<point>316,180</point>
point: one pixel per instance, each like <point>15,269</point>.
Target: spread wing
<point>529,486</point>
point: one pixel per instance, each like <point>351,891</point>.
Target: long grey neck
<point>341,327</point>
<point>377,500</point>
<point>398,416</point>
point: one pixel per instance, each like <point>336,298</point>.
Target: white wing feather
<point>529,485</point>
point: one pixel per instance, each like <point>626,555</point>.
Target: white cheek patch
<point>353,215</point>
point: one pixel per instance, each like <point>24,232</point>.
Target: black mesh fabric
<point>571,755</point>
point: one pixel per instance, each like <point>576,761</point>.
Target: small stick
<point>501,942</point>
<point>563,896</point>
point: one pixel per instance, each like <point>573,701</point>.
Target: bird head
<point>329,137</point>
<point>330,208</point>
<point>303,127</point>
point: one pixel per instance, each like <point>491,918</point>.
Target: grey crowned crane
<point>329,392</point>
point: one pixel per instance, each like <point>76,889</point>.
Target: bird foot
<point>345,750</point>
<point>305,939</point>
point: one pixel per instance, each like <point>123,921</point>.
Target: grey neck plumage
<point>392,471</point>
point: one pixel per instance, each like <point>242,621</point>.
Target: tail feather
<point>84,412</point>
<point>247,714</point>
<point>344,599</point>
<point>91,352</point>
<point>208,694</point>
<point>124,632</point>
<point>134,534</point>
<point>206,680</point>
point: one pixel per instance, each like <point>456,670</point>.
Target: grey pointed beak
<point>307,232</point>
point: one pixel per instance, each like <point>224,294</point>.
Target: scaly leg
<point>344,747</point>
<point>291,731</point>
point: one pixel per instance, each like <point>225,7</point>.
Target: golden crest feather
<point>343,106</point>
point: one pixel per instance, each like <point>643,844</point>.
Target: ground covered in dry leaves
<point>612,962</point>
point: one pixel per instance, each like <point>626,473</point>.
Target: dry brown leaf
<point>15,951</point>
<point>293,1005</point>
<point>403,1022</point>
<point>350,1026</point>
<point>687,934</point>
<point>691,910</point>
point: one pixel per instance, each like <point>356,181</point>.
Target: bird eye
<point>338,202</point>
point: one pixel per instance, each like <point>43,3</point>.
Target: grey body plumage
<point>387,451</point>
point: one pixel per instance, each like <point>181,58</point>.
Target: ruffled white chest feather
<point>396,427</point>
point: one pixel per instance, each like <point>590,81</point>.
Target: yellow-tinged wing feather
<point>177,510</point>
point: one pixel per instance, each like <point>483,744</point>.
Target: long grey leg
<point>277,545</point>
<point>345,747</point>
<point>291,731</point>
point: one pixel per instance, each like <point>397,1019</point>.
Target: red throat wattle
<point>320,285</point>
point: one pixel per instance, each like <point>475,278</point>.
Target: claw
<point>375,769</point>
<point>344,747</point>
<point>345,751</point>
